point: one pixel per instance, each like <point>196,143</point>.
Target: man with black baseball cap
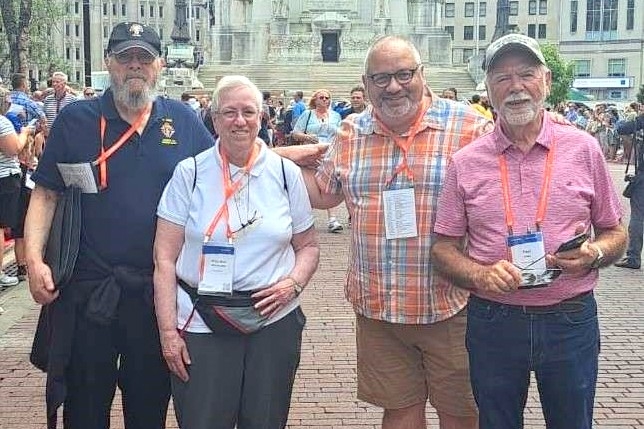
<point>531,264</point>
<point>103,321</point>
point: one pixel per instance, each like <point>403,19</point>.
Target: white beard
<point>133,100</point>
<point>397,111</point>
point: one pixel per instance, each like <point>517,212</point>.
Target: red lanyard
<point>405,144</point>
<point>543,197</point>
<point>101,161</point>
<point>230,188</point>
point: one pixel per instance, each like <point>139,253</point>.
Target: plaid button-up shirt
<point>393,280</point>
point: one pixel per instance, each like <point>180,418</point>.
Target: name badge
<point>217,270</point>
<point>400,213</point>
<point>529,255</point>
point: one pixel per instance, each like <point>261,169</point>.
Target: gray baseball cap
<point>512,42</point>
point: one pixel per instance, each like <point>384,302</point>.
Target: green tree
<point>562,74</point>
<point>28,28</point>
<point>640,95</point>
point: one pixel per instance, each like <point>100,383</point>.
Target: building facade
<point>603,38</point>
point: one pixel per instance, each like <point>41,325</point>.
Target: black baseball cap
<point>128,35</point>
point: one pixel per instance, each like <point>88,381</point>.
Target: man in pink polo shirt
<point>511,198</point>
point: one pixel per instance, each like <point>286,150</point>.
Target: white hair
<point>227,83</point>
<point>60,75</point>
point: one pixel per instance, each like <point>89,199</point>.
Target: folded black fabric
<point>64,236</point>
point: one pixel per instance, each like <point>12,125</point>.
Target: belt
<point>570,305</point>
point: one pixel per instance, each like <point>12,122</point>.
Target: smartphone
<point>573,243</point>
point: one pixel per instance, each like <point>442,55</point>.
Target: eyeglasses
<point>89,94</point>
<point>403,77</point>
<point>126,57</point>
<point>233,114</point>
<point>248,223</point>
<point>323,97</point>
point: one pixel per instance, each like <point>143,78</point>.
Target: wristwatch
<point>297,286</point>
<point>599,259</point>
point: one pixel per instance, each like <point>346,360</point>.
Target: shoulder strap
<point>194,179</point>
<point>307,121</point>
<point>284,176</point>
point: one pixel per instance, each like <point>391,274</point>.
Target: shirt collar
<point>257,168</point>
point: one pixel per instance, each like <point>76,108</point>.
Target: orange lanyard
<point>405,145</point>
<point>230,188</point>
<point>101,161</point>
<point>543,197</point>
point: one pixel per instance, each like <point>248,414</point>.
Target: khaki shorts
<point>403,365</point>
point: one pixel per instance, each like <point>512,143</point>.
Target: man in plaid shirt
<point>388,164</point>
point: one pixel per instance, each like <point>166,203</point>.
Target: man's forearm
<point>38,222</point>
<point>448,259</point>
<point>612,243</point>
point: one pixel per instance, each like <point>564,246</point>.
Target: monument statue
<point>280,8</point>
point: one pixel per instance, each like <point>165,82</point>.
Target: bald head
<point>387,43</point>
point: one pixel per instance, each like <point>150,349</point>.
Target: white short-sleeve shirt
<point>263,250</point>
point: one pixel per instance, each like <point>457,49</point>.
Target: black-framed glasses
<point>403,77</point>
<point>126,57</point>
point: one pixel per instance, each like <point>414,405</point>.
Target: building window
<point>514,8</point>
<point>467,54</point>
<point>449,10</point>
<point>123,9</point>
<point>196,12</point>
<point>449,29</point>
<point>151,11</point>
<point>532,31</point>
<point>142,11</point>
<point>67,31</point>
<point>104,9</point>
<point>481,32</point>
<point>616,95</point>
<point>198,35</point>
<point>77,31</point>
<point>76,8</point>
<point>581,68</point>
<point>630,14</point>
<point>601,15</point>
<point>573,15</point>
<point>483,9</point>
<point>160,11</point>
<point>532,7</point>
<point>161,33</point>
<point>113,9</point>
<point>542,31</point>
<point>617,67</point>
<point>78,76</point>
<point>469,9</point>
<point>543,7</point>
<point>68,54</point>
<point>468,32</point>
<point>77,53</point>
<point>106,32</point>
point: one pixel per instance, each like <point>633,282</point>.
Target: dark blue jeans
<point>636,224</point>
<point>505,343</point>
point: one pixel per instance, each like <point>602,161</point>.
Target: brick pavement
<point>324,393</point>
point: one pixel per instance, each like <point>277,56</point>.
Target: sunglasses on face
<point>323,97</point>
<point>126,57</point>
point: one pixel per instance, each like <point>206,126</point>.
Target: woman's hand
<point>175,353</point>
<point>275,298</point>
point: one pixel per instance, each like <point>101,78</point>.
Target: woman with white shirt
<point>235,229</point>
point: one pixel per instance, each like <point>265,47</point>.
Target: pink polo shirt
<point>581,191</point>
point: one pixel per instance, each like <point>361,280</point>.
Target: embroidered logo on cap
<point>136,30</point>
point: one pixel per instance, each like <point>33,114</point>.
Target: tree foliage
<point>640,95</point>
<point>28,28</point>
<point>562,74</point>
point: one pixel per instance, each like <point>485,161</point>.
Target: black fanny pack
<point>226,314</point>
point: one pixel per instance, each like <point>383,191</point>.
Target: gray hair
<point>228,83</point>
<point>386,39</point>
<point>60,75</point>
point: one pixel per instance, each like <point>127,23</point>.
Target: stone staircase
<point>339,78</point>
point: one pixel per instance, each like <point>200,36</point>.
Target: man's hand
<point>41,283</point>
<point>175,353</point>
<point>306,155</point>
<point>576,260</point>
<point>501,277</point>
